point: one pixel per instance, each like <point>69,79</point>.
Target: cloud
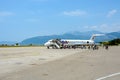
<point>74,13</point>
<point>94,27</point>
<point>4,13</point>
<point>109,27</point>
<point>104,27</point>
<point>111,13</point>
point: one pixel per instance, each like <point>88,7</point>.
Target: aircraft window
<point>87,41</point>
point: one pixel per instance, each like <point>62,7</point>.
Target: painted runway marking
<point>115,74</point>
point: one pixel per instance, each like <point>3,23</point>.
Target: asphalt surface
<point>86,65</point>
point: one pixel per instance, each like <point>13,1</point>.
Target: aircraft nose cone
<point>47,43</point>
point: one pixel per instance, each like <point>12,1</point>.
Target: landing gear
<point>48,47</point>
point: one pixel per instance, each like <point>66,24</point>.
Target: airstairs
<point>57,43</point>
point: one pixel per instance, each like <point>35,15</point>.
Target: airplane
<point>70,43</point>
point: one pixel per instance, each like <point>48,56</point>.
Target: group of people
<point>106,47</point>
<point>94,47</point>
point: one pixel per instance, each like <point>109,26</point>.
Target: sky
<point>21,19</point>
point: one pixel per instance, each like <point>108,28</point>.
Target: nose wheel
<point>48,47</point>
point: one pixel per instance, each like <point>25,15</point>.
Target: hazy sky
<point>21,19</point>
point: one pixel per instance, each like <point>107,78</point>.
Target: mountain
<point>40,40</point>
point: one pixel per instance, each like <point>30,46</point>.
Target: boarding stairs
<point>57,43</point>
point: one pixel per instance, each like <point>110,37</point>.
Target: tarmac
<point>39,63</point>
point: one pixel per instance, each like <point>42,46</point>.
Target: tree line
<point>112,42</point>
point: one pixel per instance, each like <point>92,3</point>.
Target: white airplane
<point>61,43</point>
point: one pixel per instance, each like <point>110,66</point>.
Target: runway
<point>39,63</point>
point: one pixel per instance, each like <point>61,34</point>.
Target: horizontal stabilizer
<point>94,35</point>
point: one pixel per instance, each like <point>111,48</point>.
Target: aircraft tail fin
<point>94,35</point>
